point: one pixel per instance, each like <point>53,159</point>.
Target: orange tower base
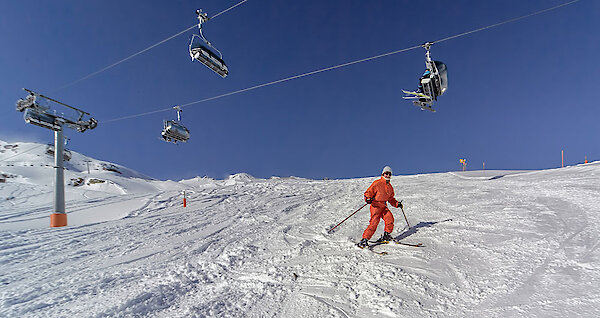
<point>58,219</point>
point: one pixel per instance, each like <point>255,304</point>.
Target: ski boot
<point>363,243</point>
<point>385,238</point>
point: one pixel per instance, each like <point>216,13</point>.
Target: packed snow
<point>496,244</point>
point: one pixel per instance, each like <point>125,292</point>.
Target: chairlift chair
<point>67,155</point>
<point>37,114</point>
<point>437,82</point>
<point>42,119</point>
<point>83,125</point>
<point>205,53</point>
<point>433,84</point>
<point>174,131</point>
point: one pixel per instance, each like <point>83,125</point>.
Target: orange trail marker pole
<point>562,158</point>
<point>184,201</point>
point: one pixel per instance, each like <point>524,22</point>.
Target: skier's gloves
<point>400,205</point>
<point>368,200</point>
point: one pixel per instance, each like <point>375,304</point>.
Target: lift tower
<point>37,112</point>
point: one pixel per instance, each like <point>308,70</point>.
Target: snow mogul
<point>377,195</point>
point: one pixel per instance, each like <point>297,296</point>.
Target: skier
<point>425,75</point>
<point>377,195</point>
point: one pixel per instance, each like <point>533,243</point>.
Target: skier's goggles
<point>387,173</point>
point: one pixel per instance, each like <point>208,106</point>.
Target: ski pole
<point>402,208</point>
<point>331,229</point>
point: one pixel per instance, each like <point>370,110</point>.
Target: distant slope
<point>27,154</point>
<point>27,186</point>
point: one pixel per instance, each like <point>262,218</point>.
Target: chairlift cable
<point>507,21</point>
<point>340,65</point>
<point>218,14</point>
<point>265,84</point>
<point>140,52</point>
<point>123,60</point>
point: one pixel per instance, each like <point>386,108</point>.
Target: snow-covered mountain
<point>496,244</point>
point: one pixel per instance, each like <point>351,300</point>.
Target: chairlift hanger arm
<point>427,45</point>
<point>202,17</point>
<point>54,100</point>
<point>178,109</point>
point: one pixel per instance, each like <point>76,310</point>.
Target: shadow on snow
<point>414,229</point>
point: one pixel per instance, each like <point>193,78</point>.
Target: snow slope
<point>507,244</point>
<point>109,191</point>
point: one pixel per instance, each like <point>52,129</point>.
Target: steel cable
<point>340,65</point>
<point>142,51</point>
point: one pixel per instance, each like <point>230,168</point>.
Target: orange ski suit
<point>382,192</point>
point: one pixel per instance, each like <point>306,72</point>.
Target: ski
<point>410,244</point>
<point>370,248</point>
<point>415,94</point>
<point>420,100</point>
<point>377,252</point>
<point>423,106</point>
<point>375,243</point>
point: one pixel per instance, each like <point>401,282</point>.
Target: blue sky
<point>518,93</point>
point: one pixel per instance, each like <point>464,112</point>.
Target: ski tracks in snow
<point>522,245</point>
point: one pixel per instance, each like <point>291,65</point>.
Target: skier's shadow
<point>414,229</point>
